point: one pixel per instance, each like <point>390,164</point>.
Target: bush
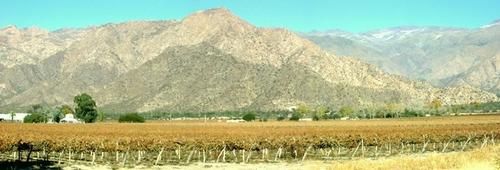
<point>335,116</point>
<point>295,117</point>
<point>410,113</point>
<point>280,118</point>
<point>131,118</point>
<point>249,117</point>
<point>316,117</point>
<point>326,116</point>
<point>35,118</point>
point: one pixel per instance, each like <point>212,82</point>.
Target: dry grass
<point>479,159</point>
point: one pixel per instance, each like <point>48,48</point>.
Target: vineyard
<point>184,142</point>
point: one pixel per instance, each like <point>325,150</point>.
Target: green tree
<point>476,105</point>
<point>65,109</point>
<point>85,108</point>
<point>320,113</point>
<point>39,114</point>
<point>57,116</point>
<point>435,105</point>
<point>101,115</point>
<point>346,111</point>
<point>393,109</point>
<point>249,117</point>
<point>303,110</point>
<point>12,115</point>
<point>454,109</point>
<point>35,118</point>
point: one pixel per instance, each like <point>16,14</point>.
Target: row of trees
<point>390,110</point>
<point>85,109</point>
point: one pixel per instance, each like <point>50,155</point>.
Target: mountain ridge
<point>431,53</point>
<point>209,61</point>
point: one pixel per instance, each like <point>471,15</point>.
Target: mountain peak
<point>215,16</point>
<point>10,27</point>
<point>216,11</point>
<point>211,21</point>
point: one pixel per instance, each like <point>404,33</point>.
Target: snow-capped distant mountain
<point>493,24</point>
<point>442,55</point>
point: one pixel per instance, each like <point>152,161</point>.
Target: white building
<point>18,117</point>
<point>306,119</point>
<point>69,118</point>
<point>235,121</point>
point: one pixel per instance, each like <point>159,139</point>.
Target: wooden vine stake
<point>60,157</point>
<point>189,157</point>
<point>362,149</point>
<point>485,142</point>
<point>243,155</point>
<point>93,156</point>
<point>356,150</point>
<point>125,157</point>
<point>204,157</point>
<point>465,144</point>
<point>425,145</point>
<point>249,155</point>
<point>158,158</point>
<point>305,153</point>
<point>445,146</point>
<point>278,154</point>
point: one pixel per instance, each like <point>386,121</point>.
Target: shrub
<point>131,118</point>
<point>295,117</point>
<point>326,116</point>
<point>335,116</point>
<point>35,118</point>
<point>249,117</point>
<point>316,117</point>
<point>410,113</point>
<point>280,118</point>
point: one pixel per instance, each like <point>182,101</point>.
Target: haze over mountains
<point>443,56</point>
<point>210,61</point>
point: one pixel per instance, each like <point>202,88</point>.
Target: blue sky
<point>297,15</point>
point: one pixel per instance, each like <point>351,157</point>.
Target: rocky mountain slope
<point>31,45</point>
<point>210,61</point>
<point>443,56</point>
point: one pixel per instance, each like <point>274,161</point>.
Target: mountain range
<point>211,60</point>
<point>446,57</point>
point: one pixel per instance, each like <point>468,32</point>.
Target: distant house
<point>18,117</point>
<point>306,119</point>
<point>235,121</point>
<point>69,118</point>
